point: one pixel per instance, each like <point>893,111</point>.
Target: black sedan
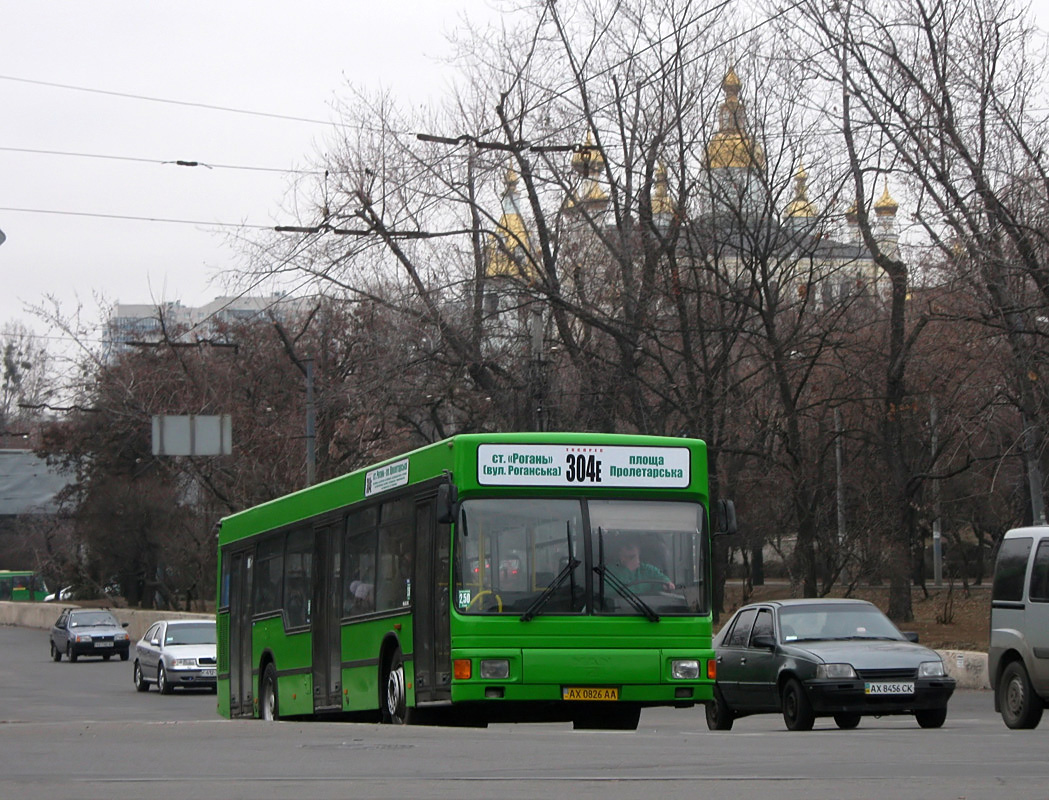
<point>824,658</point>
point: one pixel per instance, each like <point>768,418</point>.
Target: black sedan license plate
<point>887,687</point>
<point>589,693</point>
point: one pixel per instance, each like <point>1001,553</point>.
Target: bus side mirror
<point>447,503</point>
<point>725,518</point>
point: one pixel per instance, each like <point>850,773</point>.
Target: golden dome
<point>662,205</point>
<point>800,207</point>
<point>886,206</point>
<point>731,146</point>
<point>587,160</point>
<point>508,250</point>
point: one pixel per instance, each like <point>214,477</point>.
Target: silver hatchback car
<point>176,652</point>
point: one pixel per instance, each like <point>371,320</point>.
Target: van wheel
<point>1020,707</point>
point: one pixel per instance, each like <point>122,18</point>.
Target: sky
<point>69,212</point>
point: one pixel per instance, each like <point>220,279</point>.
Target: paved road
<point>81,730</point>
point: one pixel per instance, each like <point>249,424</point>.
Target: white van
<point>1018,659</point>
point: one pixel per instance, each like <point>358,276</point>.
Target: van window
<point>1040,573</point>
<point>1010,570</point>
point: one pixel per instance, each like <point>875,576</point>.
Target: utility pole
<point>311,427</point>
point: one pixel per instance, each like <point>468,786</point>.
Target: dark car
<point>88,632</point>
<point>177,652</point>
<point>824,658</point>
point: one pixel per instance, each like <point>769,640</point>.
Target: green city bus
<point>22,585</point>
<point>477,579</point>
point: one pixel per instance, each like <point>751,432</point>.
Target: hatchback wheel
<point>56,654</point>
<point>71,653</point>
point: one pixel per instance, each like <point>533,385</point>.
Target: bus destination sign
<point>383,478</point>
<point>583,465</point>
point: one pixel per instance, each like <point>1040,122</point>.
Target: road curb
<point>967,667</point>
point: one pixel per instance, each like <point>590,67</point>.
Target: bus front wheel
<point>269,704</point>
<point>395,709</point>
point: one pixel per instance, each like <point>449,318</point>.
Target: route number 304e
<point>583,468</point>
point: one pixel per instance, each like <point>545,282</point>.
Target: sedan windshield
<point>535,557</point>
<point>196,633</point>
<point>833,621</point>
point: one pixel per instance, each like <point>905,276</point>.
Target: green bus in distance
<point>487,577</point>
<point>22,585</point>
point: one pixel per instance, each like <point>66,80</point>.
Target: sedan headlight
<point>835,672</point>
<point>685,670</point>
<point>184,663</point>
<point>931,669</point>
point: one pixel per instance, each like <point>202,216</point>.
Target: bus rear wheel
<point>395,709</point>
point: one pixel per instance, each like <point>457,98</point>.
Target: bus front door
<point>240,642</point>
<point>325,616</point>
<point>432,656</point>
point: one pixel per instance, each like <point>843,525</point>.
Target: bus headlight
<point>685,669</point>
<point>495,668</point>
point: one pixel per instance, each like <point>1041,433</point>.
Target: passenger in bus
<point>636,574</point>
<point>363,596</point>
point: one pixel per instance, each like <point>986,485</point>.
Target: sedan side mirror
<point>764,640</point>
<point>124,624</point>
<point>911,636</point>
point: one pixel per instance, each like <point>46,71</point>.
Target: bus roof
<point>456,457</point>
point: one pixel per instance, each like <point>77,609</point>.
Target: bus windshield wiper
<point>548,592</point>
<point>627,593</point>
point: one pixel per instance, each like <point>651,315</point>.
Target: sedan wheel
<point>931,717</point>
<point>719,715</point>
<point>140,680</point>
<point>163,685</point>
<point>797,710</point>
<point>846,721</point>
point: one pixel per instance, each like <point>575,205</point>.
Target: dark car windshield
<point>92,618</point>
<point>846,621</point>
<point>202,633</point>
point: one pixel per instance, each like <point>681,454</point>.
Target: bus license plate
<point>589,693</point>
<point>888,688</point>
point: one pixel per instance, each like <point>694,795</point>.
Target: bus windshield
<point>604,557</point>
